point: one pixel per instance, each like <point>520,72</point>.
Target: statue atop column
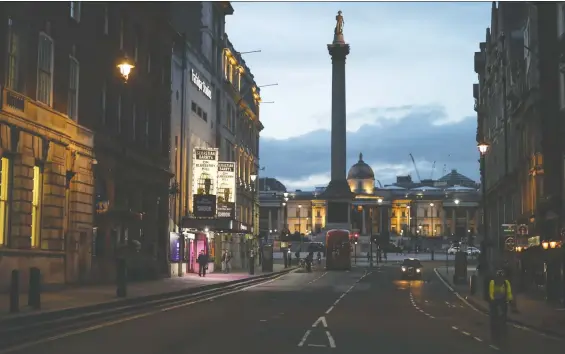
<point>338,31</point>
<point>339,24</point>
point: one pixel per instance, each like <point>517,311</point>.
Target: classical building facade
<point>46,152</point>
<point>445,209</point>
<point>517,104</point>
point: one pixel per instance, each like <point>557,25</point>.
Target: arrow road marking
<point>321,320</point>
<point>304,338</point>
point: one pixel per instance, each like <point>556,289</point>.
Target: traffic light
<point>355,238</point>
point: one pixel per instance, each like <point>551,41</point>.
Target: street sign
<point>510,242</point>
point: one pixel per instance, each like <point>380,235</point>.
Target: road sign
<point>510,242</point>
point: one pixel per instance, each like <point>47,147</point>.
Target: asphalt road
<point>320,312</point>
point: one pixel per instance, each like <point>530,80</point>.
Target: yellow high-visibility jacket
<point>494,290</point>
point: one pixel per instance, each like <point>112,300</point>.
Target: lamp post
<point>252,251</point>
<point>300,226</point>
<point>125,66</point>
<point>379,202</point>
<point>483,150</point>
<point>432,212</point>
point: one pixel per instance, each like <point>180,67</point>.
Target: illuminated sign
<point>197,81</point>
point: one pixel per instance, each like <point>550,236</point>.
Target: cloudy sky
<point>409,85</point>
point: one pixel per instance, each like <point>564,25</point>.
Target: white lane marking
<point>430,316</point>
<point>466,333</point>
<point>304,338</point>
<point>262,320</point>
<point>329,310</point>
<point>336,302</point>
<point>478,339</point>
<point>494,347</point>
<point>455,328</point>
<point>330,339</point>
<point>126,319</point>
<point>456,293</point>
<point>321,320</point>
<point>317,345</point>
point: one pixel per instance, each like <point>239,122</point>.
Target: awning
<point>216,225</point>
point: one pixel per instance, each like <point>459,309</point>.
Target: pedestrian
<point>228,261</point>
<point>202,264</point>
<point>224,256</point>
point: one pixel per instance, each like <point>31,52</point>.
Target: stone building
<point>436,212</point>
<point>47,158</point>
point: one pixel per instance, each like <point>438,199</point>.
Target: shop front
<point>223,235</point>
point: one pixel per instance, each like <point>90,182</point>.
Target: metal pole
<point>300,229</point>
<point>486,237</point>
<point>447,261</point>
<point>371,238</point>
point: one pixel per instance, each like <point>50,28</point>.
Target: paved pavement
<point>91,295</point>
<point>534,313</point>
<point>310,313</point>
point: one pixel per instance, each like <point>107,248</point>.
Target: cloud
<point>386,138</point>
<point>400,52</point>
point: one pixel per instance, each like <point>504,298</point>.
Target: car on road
<point>473,251</point>
<point>411,268</point>
<point>452,250</point>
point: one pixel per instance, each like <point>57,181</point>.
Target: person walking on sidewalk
<point>228,261</point>
<point>500,294</point>
<point>202,263</point>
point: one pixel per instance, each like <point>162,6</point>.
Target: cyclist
<point>500,294</point>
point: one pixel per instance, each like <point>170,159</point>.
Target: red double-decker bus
<point>338,250</point>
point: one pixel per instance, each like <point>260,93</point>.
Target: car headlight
<point>418,270</point>
<point>403,269</point>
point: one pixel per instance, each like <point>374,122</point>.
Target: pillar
<point>363,216</point>
<point>270,219</point>
<point>466,221</point>
<point>444,229</point>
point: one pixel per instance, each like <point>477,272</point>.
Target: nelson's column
<point>338,194</point>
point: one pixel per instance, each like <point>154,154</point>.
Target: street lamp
<point>300,225</point>
<point>253,177</point>
<point>483,150</point>
<point>125,67</point>
<point>457,201</point>
<point>432,211</point>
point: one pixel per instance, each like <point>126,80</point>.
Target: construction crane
<point>380,184</point>
<point>432,173</point>
<point>416,168</point>
<point>444,169</point>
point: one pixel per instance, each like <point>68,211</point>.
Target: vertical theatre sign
<point>204,182</point>
<point>226,190</point>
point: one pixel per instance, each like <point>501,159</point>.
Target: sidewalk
<point>532,313</point>
<point>93,295</point>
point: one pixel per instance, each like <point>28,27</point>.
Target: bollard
<point>432,255</point>
<point>34,293</point>
<point>121,278</point>
<point>15,291</point>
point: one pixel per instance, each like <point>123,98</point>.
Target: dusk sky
<point>409,85</point>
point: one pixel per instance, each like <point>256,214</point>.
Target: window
<point>193,106</point>
<point>133,121</point>
<point>205,116</point>
<point>121,34</point>
<point>13,74</point>
<point>106,19</point>
<point>119,114</point>
<point>45,69</point>
<point>103,103</point>
<point>74,69</point>
<point>75,10</point>
<point>199,111</point>
<point>36,206</point>
<point>4,199</point>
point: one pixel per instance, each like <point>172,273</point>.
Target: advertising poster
<point>226,190</point>
<point>204,181</point>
